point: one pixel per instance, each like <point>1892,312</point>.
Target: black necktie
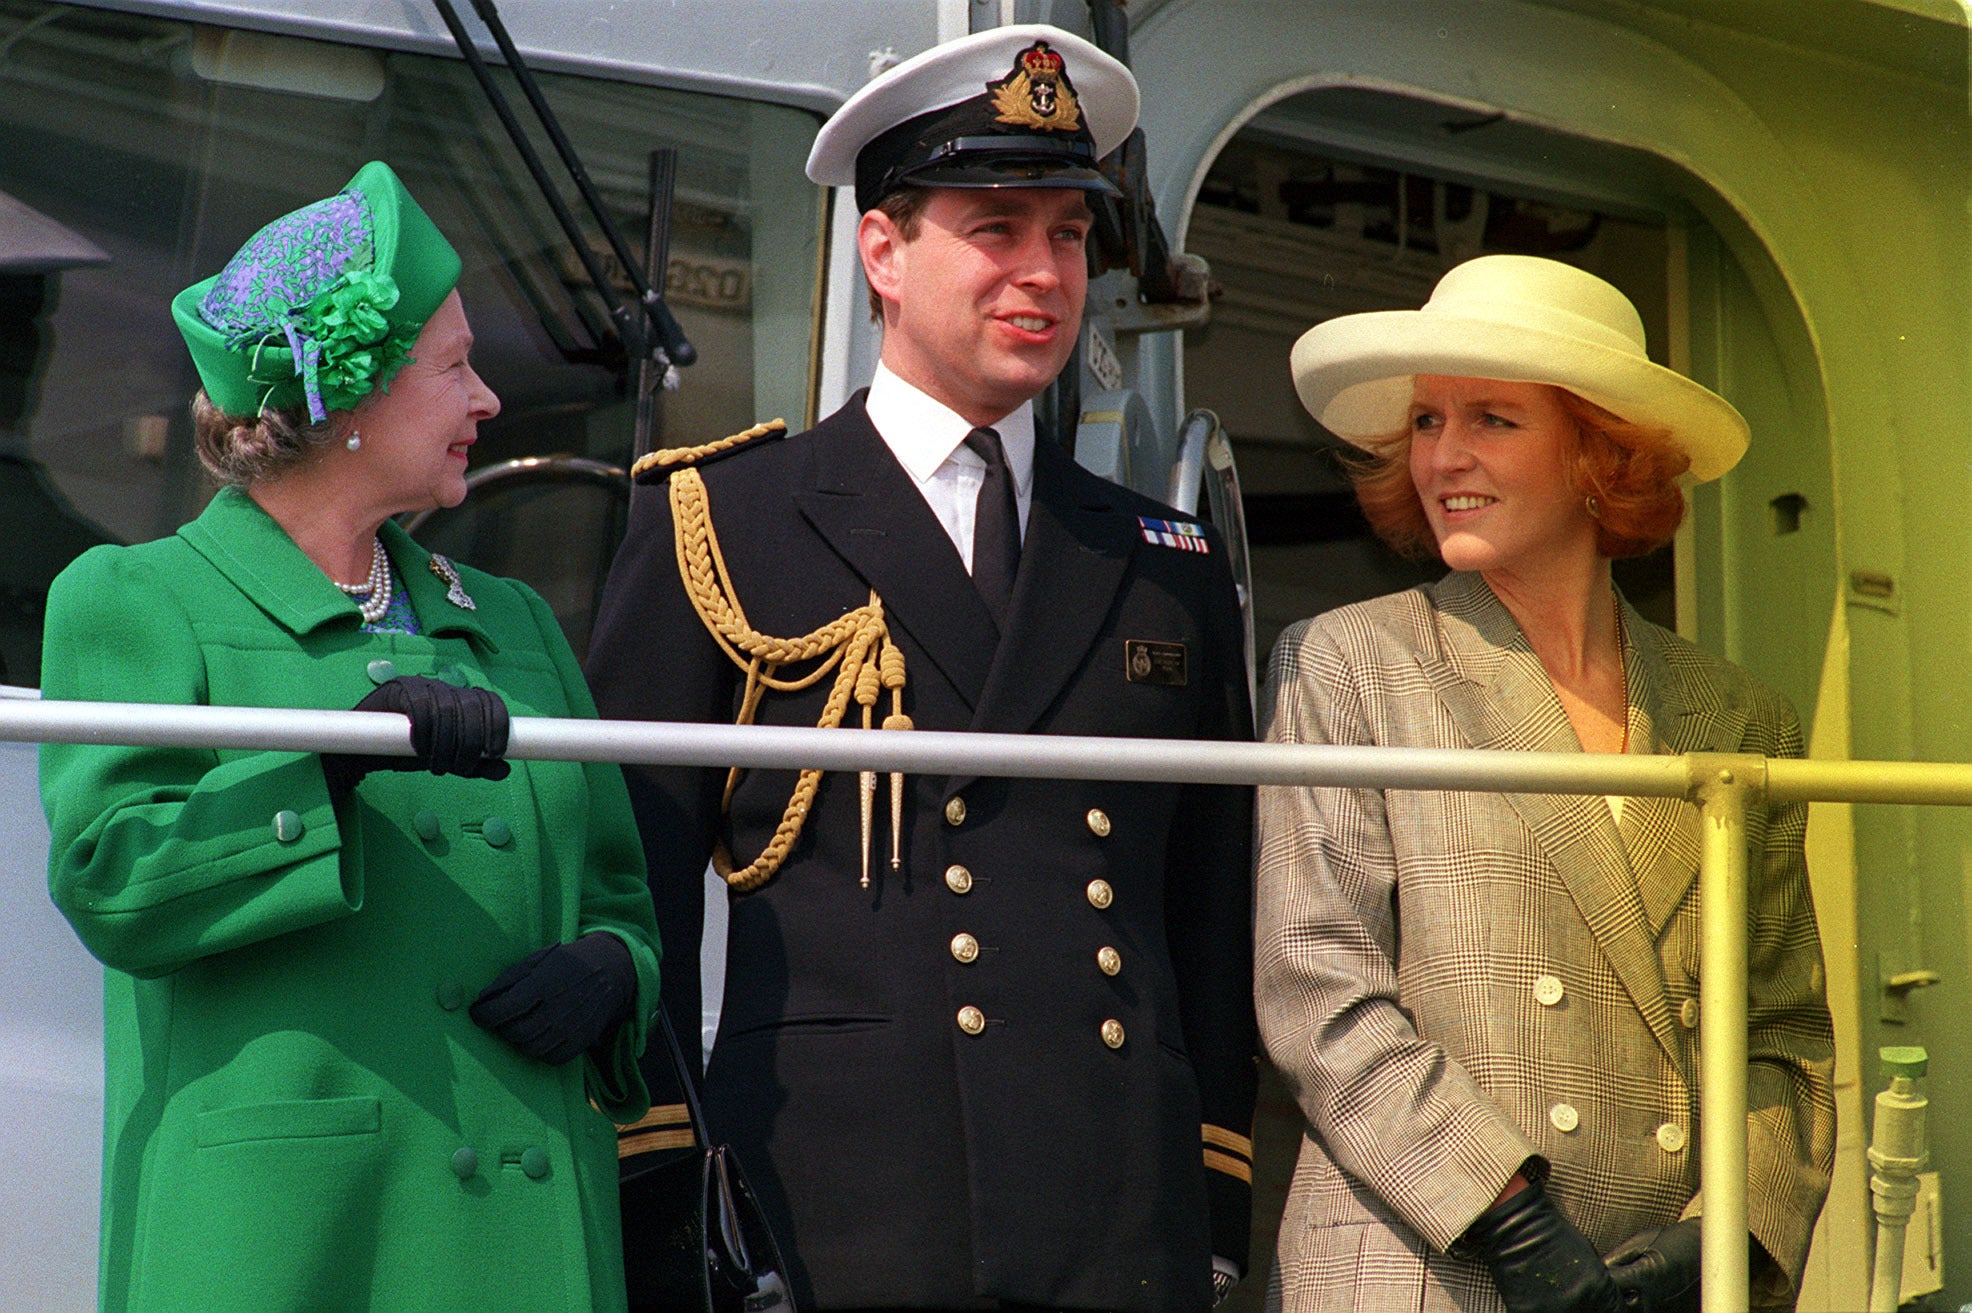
<point>995,528</point>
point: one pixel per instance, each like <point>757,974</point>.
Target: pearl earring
<point>355,442</point>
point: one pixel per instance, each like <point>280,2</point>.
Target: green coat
<point>300,1113</point>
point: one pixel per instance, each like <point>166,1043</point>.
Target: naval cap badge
<point>1037,93</point>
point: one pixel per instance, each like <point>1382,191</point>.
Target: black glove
<point>559,1002</point>
<point>1539,1262</point>
<point>1657,1270</point>
<point>455,731</point>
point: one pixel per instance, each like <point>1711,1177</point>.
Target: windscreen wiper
<point>648,329</point>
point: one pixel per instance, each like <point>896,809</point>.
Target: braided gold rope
<point>856,646</point>
<point>693,455</point>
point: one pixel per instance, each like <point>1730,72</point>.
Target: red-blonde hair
<point>1630,469</point>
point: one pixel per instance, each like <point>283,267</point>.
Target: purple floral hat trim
<point>303,294</point>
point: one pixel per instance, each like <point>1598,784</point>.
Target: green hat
<point>322,304</point>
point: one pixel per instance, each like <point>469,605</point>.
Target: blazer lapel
<point>1073,558</point>
<point>864,505</point>
<point>431,593</point>
<point>1498,694</point>
<point>1662,834</point>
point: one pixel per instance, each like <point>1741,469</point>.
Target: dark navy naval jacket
<point>1087,1147</point>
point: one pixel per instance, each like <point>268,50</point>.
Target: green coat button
<point>287,825</point>
<point>497,831</point>
<point>382,671</point>
<point>452,997</point>
<point>427,823</point>
<point>465,1164</point>
<point>451,674</point>
<point>534,1161</point>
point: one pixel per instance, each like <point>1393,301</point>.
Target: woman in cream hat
<point>1487,1005</point>
<point>357,1008</point>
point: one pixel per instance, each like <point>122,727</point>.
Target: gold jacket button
<point>1099,822</point>
<point>955,811</point>
<point>1548,990</point>
<point>1688,1013</point>
<point>958,879</point>
<point>1100,894</point>
<point>1108,960</point>
<point>1564,1117</point>
<point>1112,1033</point>
<point>1670,1137</point>
<point>965,948</point>
<point>971,1020</point>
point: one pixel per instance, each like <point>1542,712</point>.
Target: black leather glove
<point>1539,1261</point>
<point>455,731</point>
<point>559,1002</point>
<point>1657,1270</point>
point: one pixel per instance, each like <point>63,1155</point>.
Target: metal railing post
<point>1723,786</point>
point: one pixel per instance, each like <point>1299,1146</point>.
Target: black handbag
<point>694,1238</point>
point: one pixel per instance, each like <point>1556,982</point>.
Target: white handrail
<point>1722,786</point>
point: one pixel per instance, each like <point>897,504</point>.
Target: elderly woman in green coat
<point>368,1018</point>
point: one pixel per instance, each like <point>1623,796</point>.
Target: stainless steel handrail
<point>1721,786</point>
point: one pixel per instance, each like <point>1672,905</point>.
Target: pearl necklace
<point>373,594</point>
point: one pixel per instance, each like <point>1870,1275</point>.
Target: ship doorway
<point>1343,199</point>
<point>1300,224</point>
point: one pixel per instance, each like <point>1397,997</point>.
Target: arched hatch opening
<point>1343,197</point>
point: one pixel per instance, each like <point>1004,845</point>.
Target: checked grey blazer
<point>1453,983</point>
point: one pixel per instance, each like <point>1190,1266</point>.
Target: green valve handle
<point>1903,1060</point>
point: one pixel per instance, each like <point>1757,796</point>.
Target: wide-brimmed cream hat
<point>1518,318</point>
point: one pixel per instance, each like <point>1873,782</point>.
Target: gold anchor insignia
<point>455,587</point>
<point>1037,94</point>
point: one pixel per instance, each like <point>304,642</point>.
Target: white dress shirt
<point>928,439</point>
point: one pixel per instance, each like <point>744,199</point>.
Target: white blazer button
<point>1564,1117</point>
<point>1548,990</point>
<point>1688,1013</point>
<point>1670,1137</point>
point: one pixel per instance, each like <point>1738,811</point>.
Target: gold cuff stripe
<point>1230,1140</point>
<point>664,1114</point>
<point>651,1141</point>
<point>1231,1166</point>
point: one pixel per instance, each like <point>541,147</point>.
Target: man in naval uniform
<point>985,1043</point>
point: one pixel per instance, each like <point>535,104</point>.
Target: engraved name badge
<point>1146,662</point>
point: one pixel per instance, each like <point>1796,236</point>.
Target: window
<point>139,153</point>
